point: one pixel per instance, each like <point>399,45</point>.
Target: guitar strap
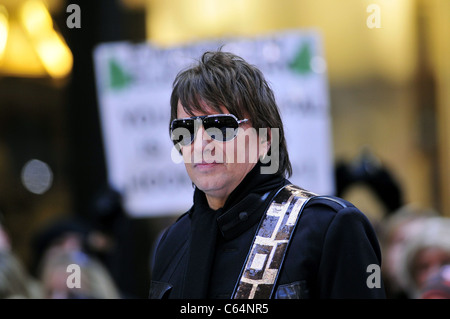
<point>265,258</point>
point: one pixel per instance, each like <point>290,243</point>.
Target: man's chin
<point>211,186</point>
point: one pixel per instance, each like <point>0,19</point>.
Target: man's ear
<point>264,141</point>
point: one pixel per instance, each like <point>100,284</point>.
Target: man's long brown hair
<point>223,79</point>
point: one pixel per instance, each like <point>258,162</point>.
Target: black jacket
<point>331,254</point>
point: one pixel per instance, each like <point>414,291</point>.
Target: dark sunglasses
<point>220,127</point>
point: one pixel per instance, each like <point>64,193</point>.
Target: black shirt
<point>202,254</point>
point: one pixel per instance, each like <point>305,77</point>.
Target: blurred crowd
<point>415,245</point>
<point>73,258</point>
<point>415,241</point>
<point>416,254</point>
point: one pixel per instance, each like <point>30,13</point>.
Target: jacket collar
<point>243,215</point>
<point>246,204</point>
<point>243,209</point>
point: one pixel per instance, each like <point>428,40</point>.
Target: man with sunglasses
<point>250,233</point>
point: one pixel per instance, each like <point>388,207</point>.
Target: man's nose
<point>202,139</point>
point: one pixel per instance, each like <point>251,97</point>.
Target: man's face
<point>217,167</point>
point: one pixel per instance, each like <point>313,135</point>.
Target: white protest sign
<point>134,83</point>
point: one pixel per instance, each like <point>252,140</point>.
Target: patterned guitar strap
<point>266,256</point>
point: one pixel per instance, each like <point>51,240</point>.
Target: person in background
<point>15,281</point>
<point>395,231</point>
<point>437,286</point>
<point>424,254</point>
<point>58,276</point>
<point>63,253</point>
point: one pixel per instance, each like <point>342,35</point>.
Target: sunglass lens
<point>222,128</point>
<point>183,131</point>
